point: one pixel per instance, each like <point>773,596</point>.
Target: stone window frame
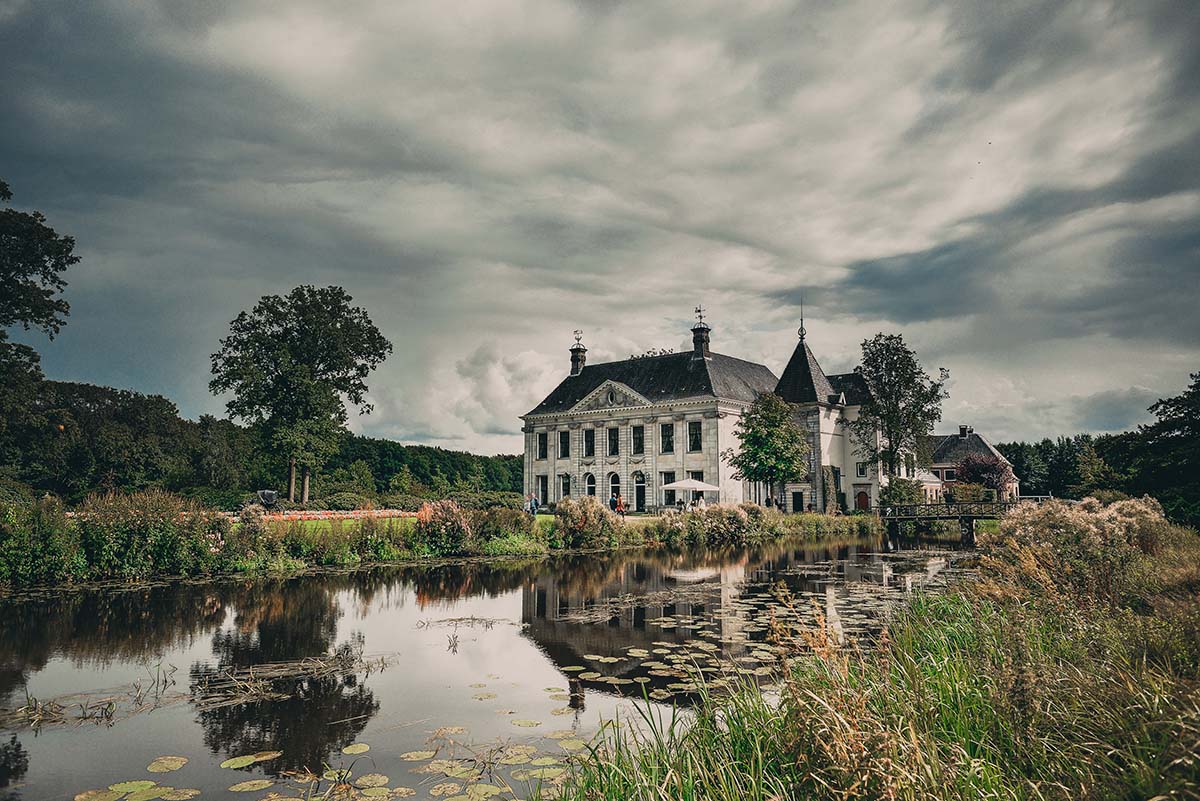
<point>612,439</point>
<point>637,444</point>
<point>564,438</point>
<point>541,445</point>
<point>589,443</point>
<point>666,436</point>
<point>699,424</point>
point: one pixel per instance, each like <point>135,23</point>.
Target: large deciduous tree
<point>985,469</point>
<point>774,449</point>
<point>33,258</point>
<point>1169,466</point>
<point>904,404</point>
<point>292,363</point>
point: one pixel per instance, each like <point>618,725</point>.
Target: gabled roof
<point>853,386</point>
<point>803,380</point>
<point>672,376</point>
<point>951,448</point>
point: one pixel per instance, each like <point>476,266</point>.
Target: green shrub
<point>38,545</point>
<point>586,523</point>
<point>343,502</point>
<point>512,545</point>
<point>901,492</point>
<point>220,499</point>
<point>149,533</point>
<point>969,493</point>
<point>441,529</point>
<point>381,539</point>
<point>499,521</point>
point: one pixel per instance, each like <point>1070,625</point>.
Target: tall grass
<point>1069,669</point>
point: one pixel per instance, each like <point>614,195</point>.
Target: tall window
<point>666,434</point>
<point>639,440</point>
<point>543,489</point>
<point>541,445</point>
<point>861,469</point>
<point>566,486</point>
<point>614,484</point>
<point>694,439</point>
<point>668,477</point>
<point>589,484</point>
<point>564,444</point>
<point>589,442</point>
<point>614,441</point>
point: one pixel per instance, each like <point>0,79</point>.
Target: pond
<point>434,681</point>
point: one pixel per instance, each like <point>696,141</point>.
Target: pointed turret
<point>803,379</point>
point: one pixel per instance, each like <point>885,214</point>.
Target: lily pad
<point>266,756</point>
<point>483,696</point>
<point>149,794</point>
<point>443,789</point>
<point>402,792</point>
<point>166,764</point>
<point>375,792</point>
<point>183,794</point>
<point>99,795</point>
<point>251,785</point>
<point>356,748</point>
<point>590,675</point>
<point>526,724</point>
<point>562,710</point>
<point>573,669</point>
<point>572,745</point>
<point>371,780</point>
<point>542,762</point>
<point>417,756</point>
<point>238,762</point>
<point>131,786</point>
<point>478,792</point>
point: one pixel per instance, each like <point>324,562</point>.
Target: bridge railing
<point>947,511</point>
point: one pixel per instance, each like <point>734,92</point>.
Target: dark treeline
<point>76,439</point>
<point>1160,459</point>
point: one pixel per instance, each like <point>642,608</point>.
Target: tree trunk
<point>292,480</point>
<point>304,497</point>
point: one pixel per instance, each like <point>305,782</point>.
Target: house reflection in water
<point>718,601</point>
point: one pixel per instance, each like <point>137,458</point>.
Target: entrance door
<point>639,492</point>
<point>797,501</point>
<point>862,500</point>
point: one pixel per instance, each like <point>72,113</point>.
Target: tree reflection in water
<point>14,762</point>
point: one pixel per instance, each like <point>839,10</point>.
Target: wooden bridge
<point>965,513</point>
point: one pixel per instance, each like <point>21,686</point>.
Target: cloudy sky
<point>1017,191</point>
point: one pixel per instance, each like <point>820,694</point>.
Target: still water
<point>500,669</point>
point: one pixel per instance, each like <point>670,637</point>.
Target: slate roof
<point>853,385</point>
<point>672,376</point>
<point>951,448</point>
<point>803,380</point>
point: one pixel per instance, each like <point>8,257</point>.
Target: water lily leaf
<point>251,785</point>
<point>549,774</point>
<point>166,764</point>
<point>356,748</point>
<point>554,689</point>
<point>402,792</point>
<point>590,675</point>
<point>543,761</point>
<point>99,795</point>
<point>371,780</point>
<point>443,789</point>
<point>184,793</point>
<point>527,724</point>
<point>514,759</point>
<point>562,710</point>
<point>132,786</point>
<point>572,745</point>
<point>238,761</point>
<point>264,756</point>
<point>417,756</point>
<point>376,792</point>
<point>149,794</point>
<point>592,657</point>
<point>561,734</point>
<point>573,668</point>
<point>478,792</point>
<point>483,696</point>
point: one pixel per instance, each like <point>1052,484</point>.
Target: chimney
<point>578,354</point>
<point>963,431</point>
<point>700,336</point>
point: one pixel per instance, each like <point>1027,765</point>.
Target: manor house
<point>635,425</point>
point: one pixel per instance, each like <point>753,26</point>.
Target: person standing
<point>620,505</point>
<point>612,501</point>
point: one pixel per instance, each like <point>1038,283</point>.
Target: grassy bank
<point>1068,669</point>
<point>154,534</point>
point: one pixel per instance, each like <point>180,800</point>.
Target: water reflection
<point>599,626</point>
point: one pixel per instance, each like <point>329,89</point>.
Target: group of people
<point>532,504</point>
<point>617,504</point>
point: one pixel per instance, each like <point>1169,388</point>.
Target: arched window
<point>589,484</point>
<point>614,484</point>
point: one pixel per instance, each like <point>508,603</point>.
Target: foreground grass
<point>1068,670</point>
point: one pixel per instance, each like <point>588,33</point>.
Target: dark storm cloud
<point>1016,187</point>
<point>1115,410</point>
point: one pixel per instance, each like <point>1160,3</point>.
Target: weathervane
<point>800,330</point>
<point>700,314</point>
<point>578,336</point>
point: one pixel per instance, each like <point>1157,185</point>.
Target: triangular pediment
<point>610,395</point>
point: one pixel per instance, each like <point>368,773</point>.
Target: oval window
<point>612,396</point>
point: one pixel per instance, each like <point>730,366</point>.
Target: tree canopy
<point>288,364</point>
<point>903,407</point>
<point>774,449</point>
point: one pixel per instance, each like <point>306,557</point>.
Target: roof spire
<point>800,330</point>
